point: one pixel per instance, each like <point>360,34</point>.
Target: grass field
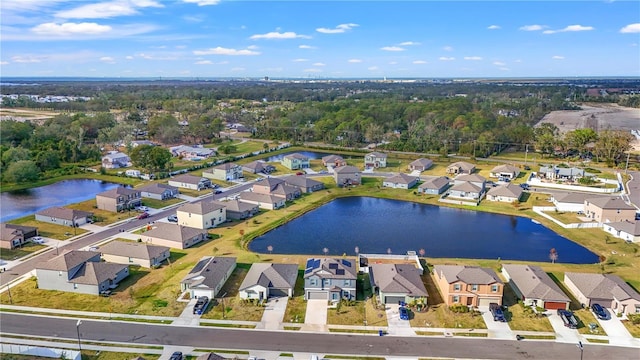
<point>45,229</point>
<point>102,217</point>
<point>159,204</point>
<point>24,250</point>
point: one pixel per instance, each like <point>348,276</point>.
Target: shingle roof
<point>462,165</point>
<point>134,250</point>
<point>422,162</point>
<point>8,231</point>
<point>628,227</point>
<point>347,169</point>
<point>271,276</point>
<point>187,179</point>
<point>67,260</point>
<point>263,198</point>
<point>95,273</point>
<point>237,205</point>
<point>269,182</point>
<point>602,286</point>
<point>209,272</point>
<point>398,278</point>
<point>332,158</point>
<point>467,274</point>
<point>296,156</point>
<point>466,186</point>
<point>210,356</point>
<point>509,190</point>
<point>470,177</point>
<point>574,197</point>
<point>118,191</point>
<point>257,165</point>
<point>226,166</point>
<point>301,181</point>
<point>173,232</point>
<point>534,283</point>
<point>157,188</point>
<point>377,154</point>
<point>329,268</point>
<point>434,182</point>
<point>505,168</point>
<point>201,207</point>
<point>401,179</point>
<point>117,155</point>
<point>64,213</point>
<point>610,203</point>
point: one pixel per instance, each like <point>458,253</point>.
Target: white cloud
<point>499,63</point>
<point>393,62</point>
<point>338,29</point>
<point>107,9</point>
<point>318,64</point>
<point>306,47</point>
<point>532,27</point>
<point>27,59</point>
<point>372,68</point>
<point>446,58</point>
<point>312,70</point>
<point>493,27</point>
<point>4,63</point>
<point>204,62</point>
<point>448,48</point>
<point>129,57</point>
<point>557,57</point>
<point>570,28</point>
<point>202,2</point>
<point>504,69</point>
<point>473,58</point>
<point>517,61</point>
<point>225,51</point>
<point>300,60</point>
<point>419,62</point>
<point>354,61</point>
<point>53,29</point>
<point>108,59</point>
<point>409,43</point>
<point>193,18</point>
<point>392,48</point>
<point>631,29</point>
<point>278,35</point>
<point>181,46</point>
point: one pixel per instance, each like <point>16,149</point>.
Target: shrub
<point>459,308</point>
<point>634,318</point>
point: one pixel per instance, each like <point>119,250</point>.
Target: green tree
<point>15,154</point>
<point>22,171</point>
<point>546,137</point>
<point>151,158</point>
<point>612,144</point>
<point>164,128</point>
<point>47,160</point>
<point>579,138</point>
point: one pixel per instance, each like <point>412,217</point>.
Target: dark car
<point>144,215</point>
<point>600,311</point>
<point>496,311</point>
<point>177,355</point>
<point>201,305</point>
<point>218,192</point>
<point>568,318</point>
<point>524,186</point>
<point>404,313</point>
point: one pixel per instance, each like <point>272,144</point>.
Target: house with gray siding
<point>400,181</point>
<point>608,290</point>
<point>434,185</point>
<point>266,280</point>
<point>80,272</point>
<point>258,167</point>
<point>305,184</point>
<point>397,282</point>
<point>118,199</point>
<point>134,253</point>
<point>187,181</point>
<point>421,164</point>
<point>208,276</point>
<point>461,167</point>
<point>225,172</point>
<point>330,279</point>
<point>159,191</point>
<point>64,216</point>
<point>239,210</point>
<point>347,175</point>
<point>505,171</point>
<point>505,193</point>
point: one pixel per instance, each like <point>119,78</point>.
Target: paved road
<point>633,188</point>
<point>288,341</point>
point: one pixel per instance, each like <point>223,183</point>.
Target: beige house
<point>264,201</point>
<point>421,164</point>
<point>265,280</point>
<point>304,183</point>
<point>505,171</point>
<point>174,235</point>
<point>131,253</point>
<point>534,287</point>
<point>225,172</point>
<point>276,187</point>
<point>191,182</point>
<point>608,290</point>
<point>625,230</point>
<point>333,161</point>
<point>375,160</point>
<point>239,210</point>
<point>203,214</point>
<point>347,175</point>
<point>609,209</point>
<point>468,285</point>
<point>119,199</point>
<point>461,167</point>
<point>13,236</point>
<point>505,193</point>
<point>400,181</point>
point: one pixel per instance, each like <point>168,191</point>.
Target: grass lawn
<point>564,217</point>
<point>45,229</point>
<point>194,193</point>
<point>102,217</point>
<point>89,355</point>
<point>235,308</point>
<point>24,250</point>
<point>439,316</point>
<point>634,330</point>
<point>355,315</point>
<point>158,204</point>
<point>521,319</point>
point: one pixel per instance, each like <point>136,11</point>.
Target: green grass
<point>27,249</point>
<point>158,204</point>
<point>45,229</point>
<point>88,175</point>
<point>292,328</point>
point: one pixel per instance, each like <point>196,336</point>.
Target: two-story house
<point>609,209</point>
<point>468,285</point>
<point>225,172</point>
<point>347,175</point>
<point>118,199</point>
<point>375,160</point>
<point>203,214</point>
<point>191,182</point>
<point>115,160</point>
<point>276,187</point>
<point>330,279</point>
<point>295,161</point>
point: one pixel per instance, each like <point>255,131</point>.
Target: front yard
<point>45,229</point>
<point>354,313</point>
<point>522,317</point>
<point>229,306</point>
<point>102,217</point>
<point>24,250</point>
<point>440,316</point>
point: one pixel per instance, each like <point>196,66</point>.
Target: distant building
<point>115,160</point>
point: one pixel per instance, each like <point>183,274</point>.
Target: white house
<point>265,280</point>
<point>202,214</point>
<point>115,160</point>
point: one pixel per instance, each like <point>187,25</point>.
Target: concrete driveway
<point>187,317</point>
<point>563,333</point>
<point>617,333</point>
<point>315,318</point>
<point>273,314</point>
<point>496,329</point>
<point>397,326</point>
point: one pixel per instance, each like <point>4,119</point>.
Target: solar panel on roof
<point>316,264</point>
<point>333,266</point>
<point>340,272</point>
<point>346,262</point>
<point>309,263</point>
<point>308,271</point>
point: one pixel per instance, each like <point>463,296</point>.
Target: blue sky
<point>319,39</point>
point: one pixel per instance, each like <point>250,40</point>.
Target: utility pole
<point>526,152</point>
<point>78,330</point>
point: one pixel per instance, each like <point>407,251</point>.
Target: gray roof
<point>467,274</point>
<point>602,286</point>
<point>422,162</point>
<point>560,171</point>
<point>332,158</point>
<point>263,198</point>
<point>226,166</point>
<point>534,283</point>
<point>401,179</point>
<point>509,190</point>
<point>466,186</point>
<point>118,191</point>
<point>462,165</point>
<point>95,273</point>
<point>237,205</point>
<point>398,278</point>
<point>301,181</point>
<point>505,168</point>
<point>209,272</point>
<point>377,154</point>
<point>133,250</point>
<point>628,227</point>
<point>437,182</point>
<point>188,179</point>
<point>117,155</point>
<point>610,203</point>
<point>257,165</point>
<point>470,177</point>
<point>296,156</point>
<point>157,188</point>
<point>173,232</point>
<point>329,268</point>
<point>67,260</point>
<point>347,169</point>
<point>9,231</point>
<point>201,207</point>
<point>64,213</point>
<point>269,182</point>
<point>269,275</point>
<point>210,356</point>
<point>574,197</point>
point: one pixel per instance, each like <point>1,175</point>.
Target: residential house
<point>115,160</point>
<point>475,179</point>
<point>190,182</point>
<point>468,285</point>
<point>136,143</point>
<point>304,183</point>
<point>609,209</point>
<point>208,276</point>
<point>295,161</point>
<point>534,287</point>
<point>264,201</point>
<point>259,167</point>
<point>465,190</point>
<point>266,280</point>
<point>159,191</point>
<point>434,185</point>
<point>192,152</point>
<point>333,161</point>
<point>505,171</point>
<point>505,193</point>
<point>571,201</point>
<point>276,187</point>
<point>211,356</point>
<point>119,199</point>
<point>203,214</point>
<point>397,282</point>
<point>239,210</point>
<point>80,272</point>
<point>63,216</point>
<point>225,172</point>
<point>13,236</point>
<point>560,173</point>
<point>628,231</point>
<point>421,164</point>
<point>608,290</point>
<point>400,181</point>
<point>375,160</point>
<point>347,175</point>
<point>133,253</point>
<point>174,235</point>
<point>330,279</point>
<point>461,167</point>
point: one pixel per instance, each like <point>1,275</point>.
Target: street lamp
<point>78,330</point>
<point>581,348</point>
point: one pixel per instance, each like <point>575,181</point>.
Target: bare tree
<point>325,251</point>
<point>553,255</point>
<point>270,248</point>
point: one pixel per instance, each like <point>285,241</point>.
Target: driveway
<point>563,333</point>
<point>315,318</point>
<point>617,333</point>
<point>187,317</point>
<point>496,329</point>
<point>396,325</point>
<point>273,314</point>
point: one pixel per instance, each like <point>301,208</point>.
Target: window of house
<point>327,281</point>
<point>130,260</point>
<point>456,287</point>
<point>313,282</point>
<point>456,299</point>
<point>474,287</point>
<point>494,288</point>
<point>347,283</point>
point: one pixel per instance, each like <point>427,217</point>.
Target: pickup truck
<point>496,311</point>
<point>568,319</point>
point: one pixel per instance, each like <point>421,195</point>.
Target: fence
<point>40,351</point>
<point>541,209</point>
<point>536,182</point>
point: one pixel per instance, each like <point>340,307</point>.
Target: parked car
<point>299,173</point>
<point>144,215</point>
<point>524,186</point>
<point>38,240</point>
<point>177,355</point>
<point>218,192</point>
<point>201,305</point>
<point>172,218</point>
<point>404,313</point>
<point>568,318</point>
<point>142,208</point>
<point>600,311</point>
<point>496,311</point>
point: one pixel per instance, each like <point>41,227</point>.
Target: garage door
<point>198,293</point>
<point>393,299</point>
<point>278,293</point>
<point>317,295</point>
<point>485,301</point>
<point>550,305</point>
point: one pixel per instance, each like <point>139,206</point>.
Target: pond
<point>382,225</point>
<point>16,204</point>
<point>312,155</point>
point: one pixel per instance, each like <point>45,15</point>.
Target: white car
<point>142,208</point>
<point>38,240</point>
